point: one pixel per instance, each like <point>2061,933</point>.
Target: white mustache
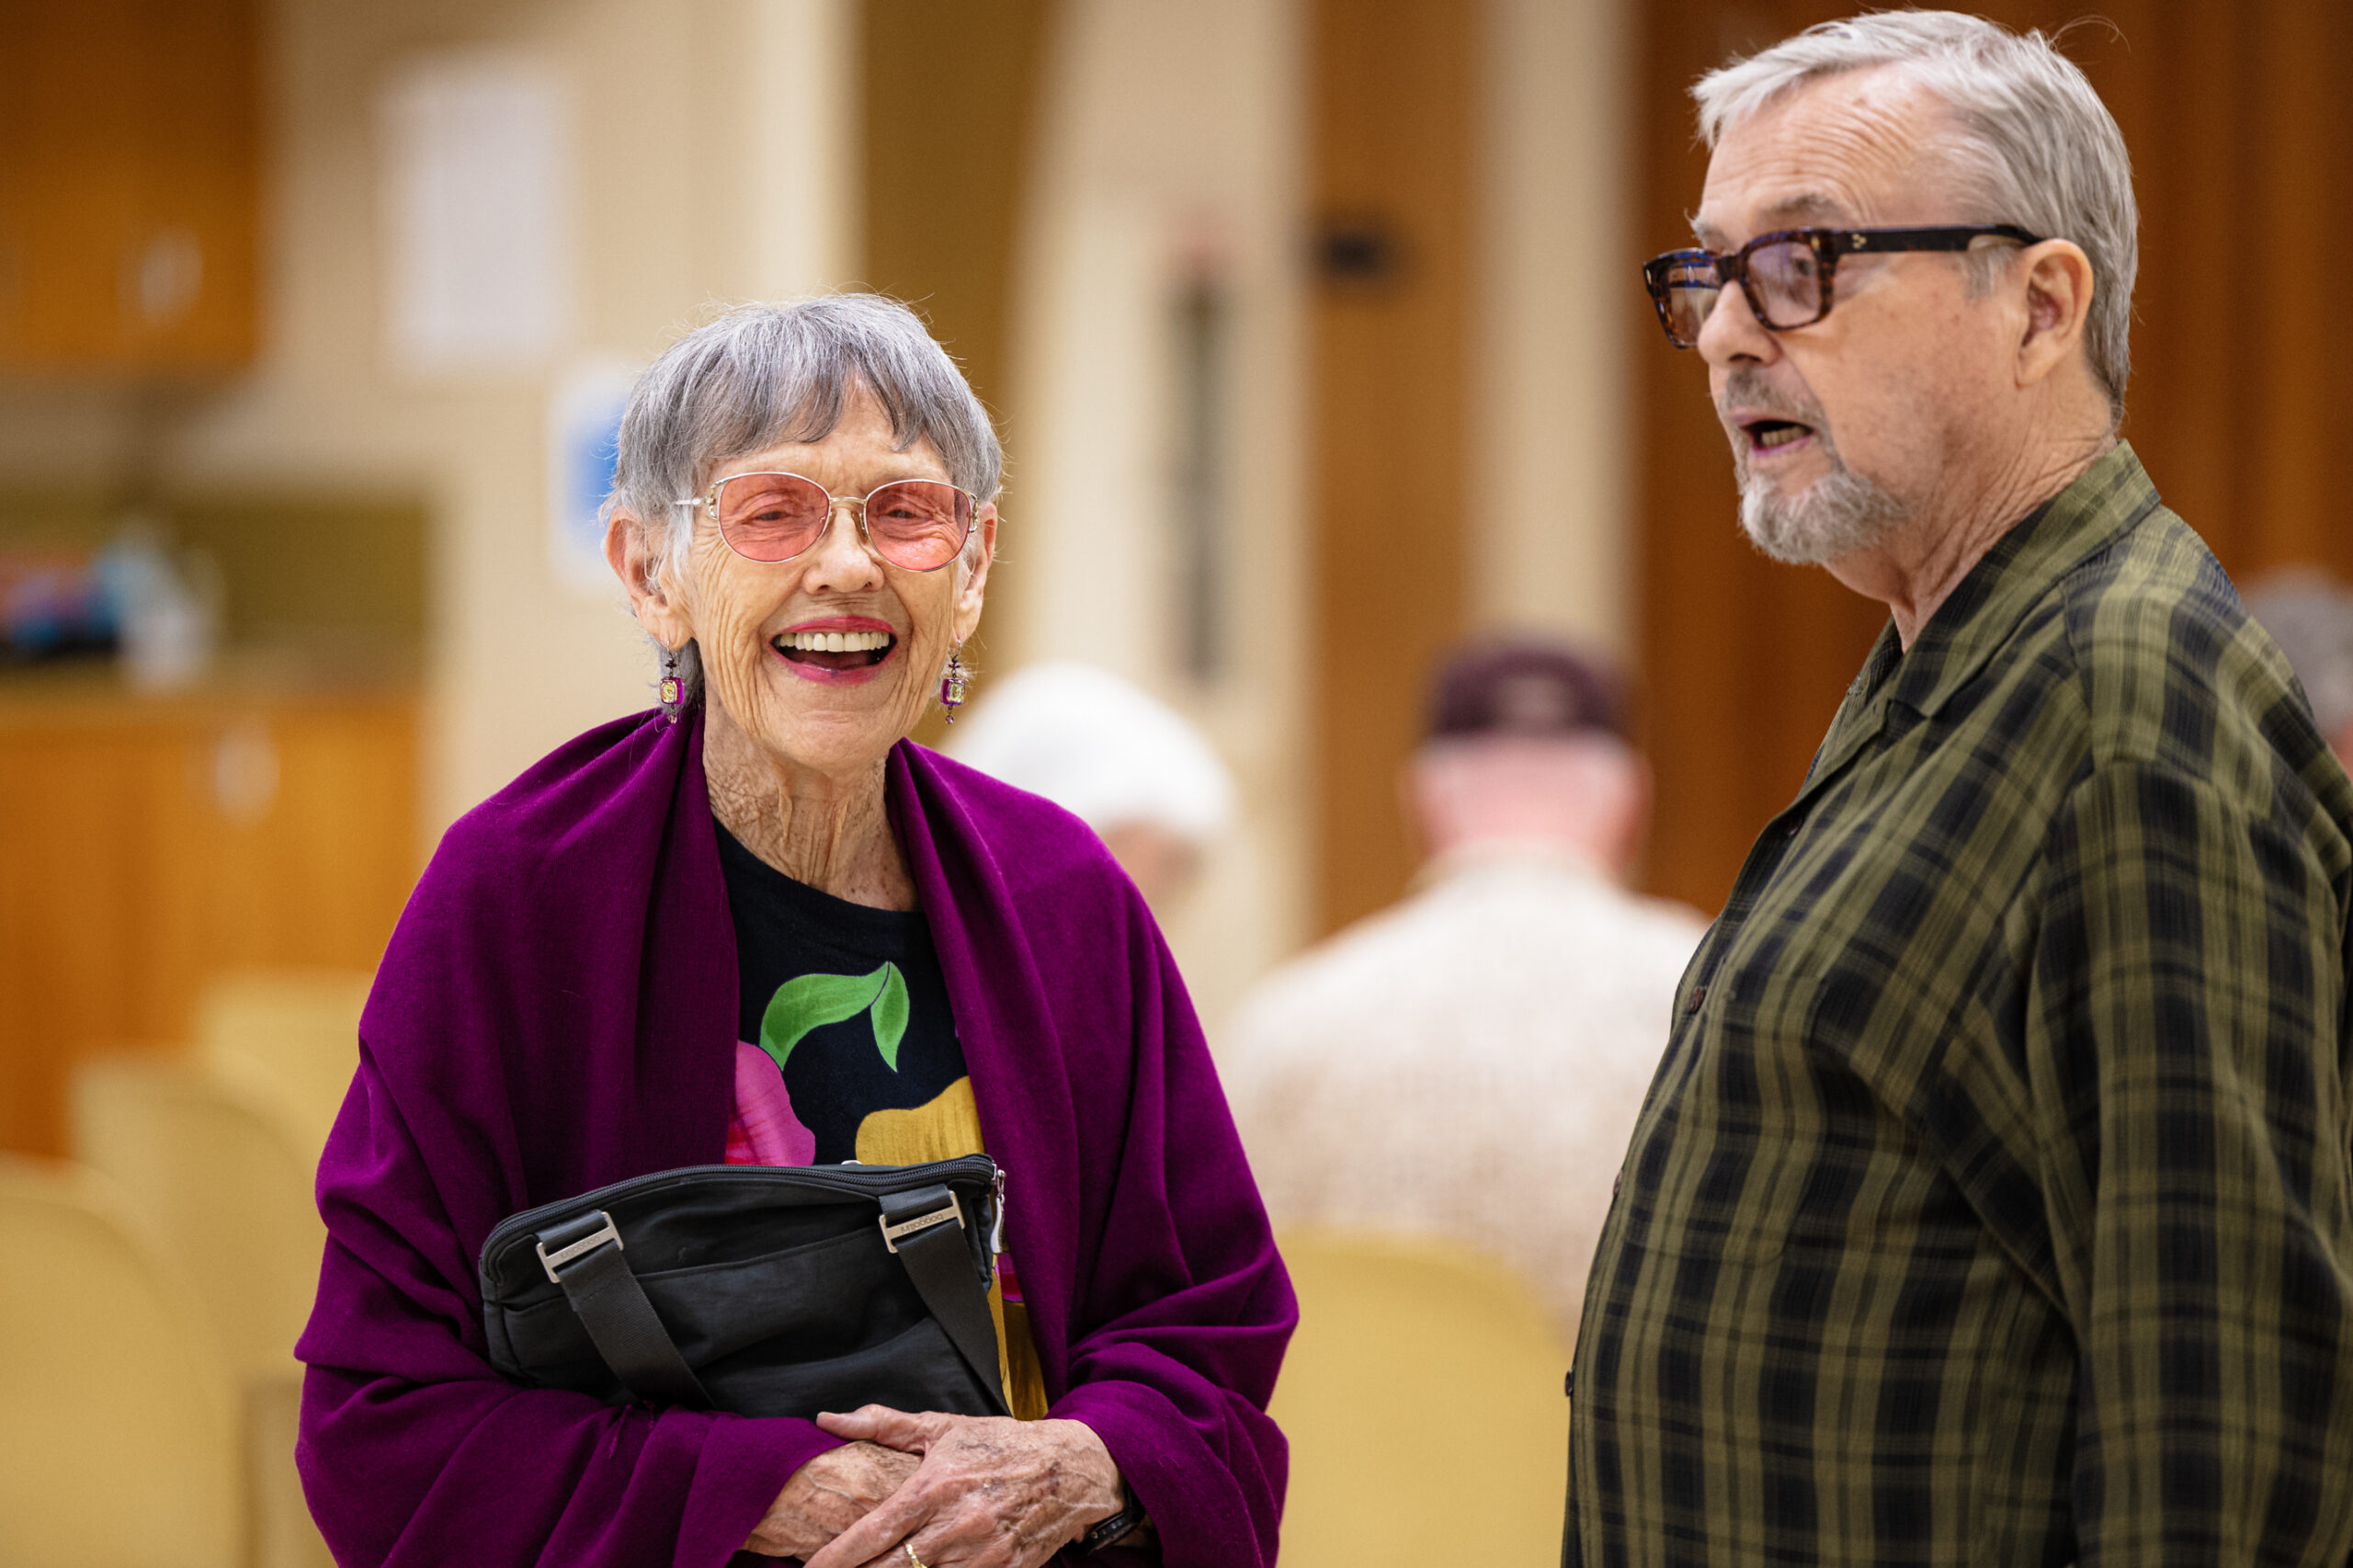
<point>1749,389</point>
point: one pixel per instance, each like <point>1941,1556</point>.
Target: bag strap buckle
<point>604,1232</point>
<point>953,1209</point>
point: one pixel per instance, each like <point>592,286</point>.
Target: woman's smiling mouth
<point>843,651</point>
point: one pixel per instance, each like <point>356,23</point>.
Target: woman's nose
<point>841,559</point>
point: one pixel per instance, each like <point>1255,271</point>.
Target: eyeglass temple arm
<point>858,500</point>
<point>1959,237</point>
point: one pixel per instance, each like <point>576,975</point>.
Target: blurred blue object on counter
<point>159,611</point>
<point>54,604</point>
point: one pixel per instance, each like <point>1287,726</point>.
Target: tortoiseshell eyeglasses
<point>1786,275</point>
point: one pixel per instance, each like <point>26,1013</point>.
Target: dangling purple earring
<point>672,690</point>
<point>953,682</point>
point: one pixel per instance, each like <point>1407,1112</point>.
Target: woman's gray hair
<point>2042,151</point>
<point>765,374</point>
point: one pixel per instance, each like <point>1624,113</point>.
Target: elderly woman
<point>804,517</point>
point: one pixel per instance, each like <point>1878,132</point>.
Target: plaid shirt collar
<point>2110,498</point>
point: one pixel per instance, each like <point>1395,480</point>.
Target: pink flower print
<point>763,1130</point>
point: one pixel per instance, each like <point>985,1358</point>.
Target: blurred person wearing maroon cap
<point>1468,1064</point>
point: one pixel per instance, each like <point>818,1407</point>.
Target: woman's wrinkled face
<point>768,632</point>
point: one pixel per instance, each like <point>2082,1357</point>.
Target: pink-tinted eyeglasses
<point>918,524</point>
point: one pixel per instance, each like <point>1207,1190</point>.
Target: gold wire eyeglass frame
<point>709,501</point>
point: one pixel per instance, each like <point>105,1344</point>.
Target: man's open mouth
<point>836,650</point>
<point>1771,434</point>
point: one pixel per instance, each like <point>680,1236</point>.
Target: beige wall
<point>1169,141</point>
<point>698,182</point>
<point>1170,128</point>
<point>1558,295</point>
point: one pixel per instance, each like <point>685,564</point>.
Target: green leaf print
<point>810,1002</point>
<point>891,1016</point>
<point>813,1001</point>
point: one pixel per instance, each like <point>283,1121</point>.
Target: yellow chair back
<point>296,1031</point>
<point>224,1187</point>
<point>117,1443</point>
<point>1422,1398</point>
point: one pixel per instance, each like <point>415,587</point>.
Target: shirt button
<point>1569,1384</point>
<point>1691,1003</point>
<point>1790,828</point>
<point>1615,1183</point>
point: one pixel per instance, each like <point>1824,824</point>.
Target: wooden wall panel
<point>2242,138</point>
<point>1393,183</point>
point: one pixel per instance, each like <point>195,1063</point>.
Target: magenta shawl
<point>557,1010</point>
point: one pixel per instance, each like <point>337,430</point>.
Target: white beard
<point>1837,515</point>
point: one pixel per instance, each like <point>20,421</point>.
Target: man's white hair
<point>2041,149</point>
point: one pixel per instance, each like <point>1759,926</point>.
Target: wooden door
<point>2242,138</point>
<point>1391,84</point>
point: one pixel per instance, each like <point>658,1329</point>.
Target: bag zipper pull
<point>996,1232</point>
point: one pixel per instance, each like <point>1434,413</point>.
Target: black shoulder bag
<point>760,1289</point>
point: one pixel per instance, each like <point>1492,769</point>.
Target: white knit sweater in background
<point>1467,1063</point>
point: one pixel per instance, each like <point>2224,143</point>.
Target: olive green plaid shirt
<point>1992,1202</point>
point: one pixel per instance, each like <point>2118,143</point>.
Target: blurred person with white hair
<point>2311,617</point>
<point>1468,1064</point>
<point>1137,772</point>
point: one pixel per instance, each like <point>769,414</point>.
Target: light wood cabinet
<point>147,846</point>
<point>129,185</point>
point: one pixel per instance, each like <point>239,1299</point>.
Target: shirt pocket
<point>1729,1151</point>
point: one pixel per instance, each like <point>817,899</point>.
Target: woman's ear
<point>648,575</point>
<point>969,596</point>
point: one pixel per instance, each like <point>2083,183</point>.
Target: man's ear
<point>650,577</point>
<point>969,597</point>
<point>2058,303</point>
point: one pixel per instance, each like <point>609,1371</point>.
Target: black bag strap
<point>926,1229</point>
<point>583,1255</point>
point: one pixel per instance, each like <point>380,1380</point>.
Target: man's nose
<point>1731,333</point>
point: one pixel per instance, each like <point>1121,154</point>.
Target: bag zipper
<point>871,1181</point>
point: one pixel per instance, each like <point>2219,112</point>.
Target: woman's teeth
<point>834,641</point>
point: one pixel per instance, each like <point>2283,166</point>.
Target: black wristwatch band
<point>1130,1515</point>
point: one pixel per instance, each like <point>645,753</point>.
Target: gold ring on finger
<point>909,1548</point>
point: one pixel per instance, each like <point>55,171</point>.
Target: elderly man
<point>1467,1063</point>
<point>1991,1205</point>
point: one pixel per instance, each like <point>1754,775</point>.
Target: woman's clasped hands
<point>954,1491</point>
